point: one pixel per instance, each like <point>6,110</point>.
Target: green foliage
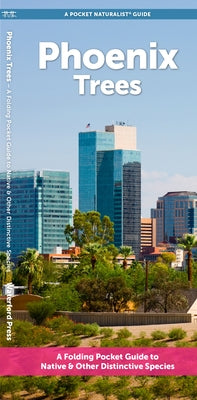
<point>40,310</point>
<point>188,386</point>
<point>142,342</point>
<point>159,344</point>
<point>164,387</point>
<point>92,293</point>
<point>125,251</point>
<point>123,394</point>
<point>31,267</point>
<point>2,309</point>
<point>89,228</point>
<point>68,385</point>
<point>168,258</point>
<point>165,294</point>
<point>183,344</point>
<point>118,294</point>
<point>106,332</point>
<point>104,386</point>
<point>11,384</point>
<point>86,329</point>
<point>68,341</point>
<point>124,333</point>
<point>106,342</point>
<point>64,297</point>
<point>188,242</point>
<point>60,324</point>
<point>194,336</point>
<point>115,342</point>
<point>27,335</point>
<point>135,277</point>
<point>141,393</point>
<point>46,384</point>
<point>123,342</point>
<point>158,335</point>
<point>177,334</point>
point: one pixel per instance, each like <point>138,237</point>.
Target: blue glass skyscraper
<point>110,180</point>
<point>41,206</point>
<point>176,214</point>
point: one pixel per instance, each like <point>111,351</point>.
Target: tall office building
<point>41,206</point>
<point>148,233</point>
<point>110,180</point>
<point>176,214</point>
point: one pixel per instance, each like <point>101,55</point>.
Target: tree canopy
<point>188,242</point>
<point>89,227</point>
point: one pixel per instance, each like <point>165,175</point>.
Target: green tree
<point>92,292</point>
<point>91,253</point>
<point>167,257</point>
<point>5,273</point>
<point>125,251</point>
<point>188,242</point>
<point>118,294</point>
<point>165,293</point>
<point>88,227</point>
<point>31,266</point>
<point>40,310</point>
<point>64,297</point>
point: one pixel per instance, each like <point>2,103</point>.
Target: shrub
<point>106,342</point>
<point>68,341</point>
<point>40,310</point>
<point>142,335</point>
<point>194,336</point>
<point>47,384</point>
<point>92,329</point>
<point>60,324</point>
<point>3,337</point>
<point>26,334</point>
<point>158,335</point>
<point>182,344</point>
<point>86,329</point>
<point>160,344</point>
<point>142,342</point>
<point>177,334</point>
<point>107,332</point>
<point>121,342</point>
<point>2,309</point>
<point>123,333</point>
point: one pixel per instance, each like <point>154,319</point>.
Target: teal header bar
<point>110,14</point>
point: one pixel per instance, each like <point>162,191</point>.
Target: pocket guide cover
<point>97,102</point>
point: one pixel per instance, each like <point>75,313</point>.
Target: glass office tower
<point>176,214</point>
<point>89,144</point>
<point>110,180</point>
<point>41,206</point>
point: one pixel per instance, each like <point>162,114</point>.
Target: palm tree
<point>188,242</point>
<point>5,273</point>
<point>126,251</point>
<point>31,265</point>
<point>92,251</point>
<point>3,261</point>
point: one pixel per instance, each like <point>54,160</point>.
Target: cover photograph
<point>98,200</point>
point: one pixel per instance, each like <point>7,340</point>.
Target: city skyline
<point>48,113</point>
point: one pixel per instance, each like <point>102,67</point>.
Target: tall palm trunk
<point>189,267</point>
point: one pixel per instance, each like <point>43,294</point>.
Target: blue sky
<point>48,112</point>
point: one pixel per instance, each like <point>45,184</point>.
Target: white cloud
<point>156,184</point>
